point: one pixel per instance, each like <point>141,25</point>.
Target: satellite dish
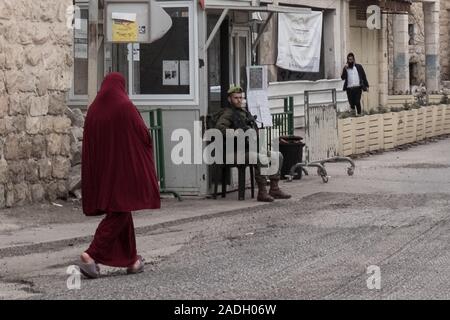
<point>160,21</point>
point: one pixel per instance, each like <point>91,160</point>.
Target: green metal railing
<point>283,123</point>
<point>154,122</point>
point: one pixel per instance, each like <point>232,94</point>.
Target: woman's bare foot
<point>86,258</point>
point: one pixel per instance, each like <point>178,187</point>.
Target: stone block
<point>37,192</point>
<point>3,171</point>
<point>45,168</point>
<point>11,148</point>
<point>39,149</point>
<point>21,194</point>
<point>57,104</point>
<point>33,56</point>
<point>61,124</point>
<point>74,181</point>
<point>39,106</point>
<point>54,142</point>
<point>61,167</point>
<point>4,106</point>
<point>77,117</point>
<point>16,171</point>
<point>33,125</point>
<point>46,124</point>
<point>2,197</point>
<point>65,146</point>
<point>32,171</point>
<point>51,189</point>
<point>42,85</point>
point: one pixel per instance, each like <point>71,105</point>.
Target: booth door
<point>240,56</point>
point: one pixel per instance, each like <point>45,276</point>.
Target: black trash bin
<point>291,147</point>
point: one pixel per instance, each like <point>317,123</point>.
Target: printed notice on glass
<point>136,52</point>
<point>257,97</point>
<point>170,73</point>
<point>184,73</point>
<point>124,27</point>
<point>80,40</point>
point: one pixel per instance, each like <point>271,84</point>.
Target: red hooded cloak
<point>118,169</point>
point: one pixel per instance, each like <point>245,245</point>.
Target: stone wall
<point>445,40</point>
<point>417,49</point>
<point>35,74</point>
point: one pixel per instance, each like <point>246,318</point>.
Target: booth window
<point>80,53</point>
<point>161,70</point>
<point>163,67</point>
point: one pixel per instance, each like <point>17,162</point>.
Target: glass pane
<point>243,62</point>
<point>81,55</point>
<point>163,67</point>
<point>214,61</point>
<point>119,57</point>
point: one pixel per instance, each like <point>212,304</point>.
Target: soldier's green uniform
<point>239,118</point>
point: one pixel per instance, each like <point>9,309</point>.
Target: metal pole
<point>93,50</point>
<point>216,28</point>
<point>264,27</point>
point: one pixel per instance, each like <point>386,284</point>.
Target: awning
<point>387,6</point>
<point>249,5</point>
<point>246,5</point>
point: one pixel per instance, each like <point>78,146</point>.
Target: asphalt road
<point>393,216</point>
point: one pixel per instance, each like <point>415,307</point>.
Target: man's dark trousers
<point>354,98</point>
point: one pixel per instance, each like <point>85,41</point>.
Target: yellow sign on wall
<point>124,31</point>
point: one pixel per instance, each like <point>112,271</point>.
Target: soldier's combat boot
<point>263,196</point>
<point>275,190</point>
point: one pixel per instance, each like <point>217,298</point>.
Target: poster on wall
<point>299,41</point>
<point>170,73</point>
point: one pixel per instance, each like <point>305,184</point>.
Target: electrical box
<point>135,21</point>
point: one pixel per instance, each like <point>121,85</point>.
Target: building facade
<point>49,71</point>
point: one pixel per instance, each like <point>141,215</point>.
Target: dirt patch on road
<point>422,166</point>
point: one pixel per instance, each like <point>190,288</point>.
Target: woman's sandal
<point>139,269</point>
<point>89,270</point>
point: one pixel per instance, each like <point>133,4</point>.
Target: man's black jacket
<point>362,77</point>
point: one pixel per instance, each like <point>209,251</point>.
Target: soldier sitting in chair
<point>235,116</point>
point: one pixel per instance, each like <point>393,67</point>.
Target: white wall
<point>297,89</point>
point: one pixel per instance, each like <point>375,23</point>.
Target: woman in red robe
<point>118,176</point>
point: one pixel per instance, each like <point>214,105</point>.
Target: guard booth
<point>177,56</point>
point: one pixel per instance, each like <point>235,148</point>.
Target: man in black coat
<point>355,82</point>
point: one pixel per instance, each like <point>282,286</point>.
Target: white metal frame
<point>191,99</point>
<point>77,98</point>
<point>236,33</point>
<point>161,99</point>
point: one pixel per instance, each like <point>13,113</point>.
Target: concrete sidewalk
<point>42,227</point>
